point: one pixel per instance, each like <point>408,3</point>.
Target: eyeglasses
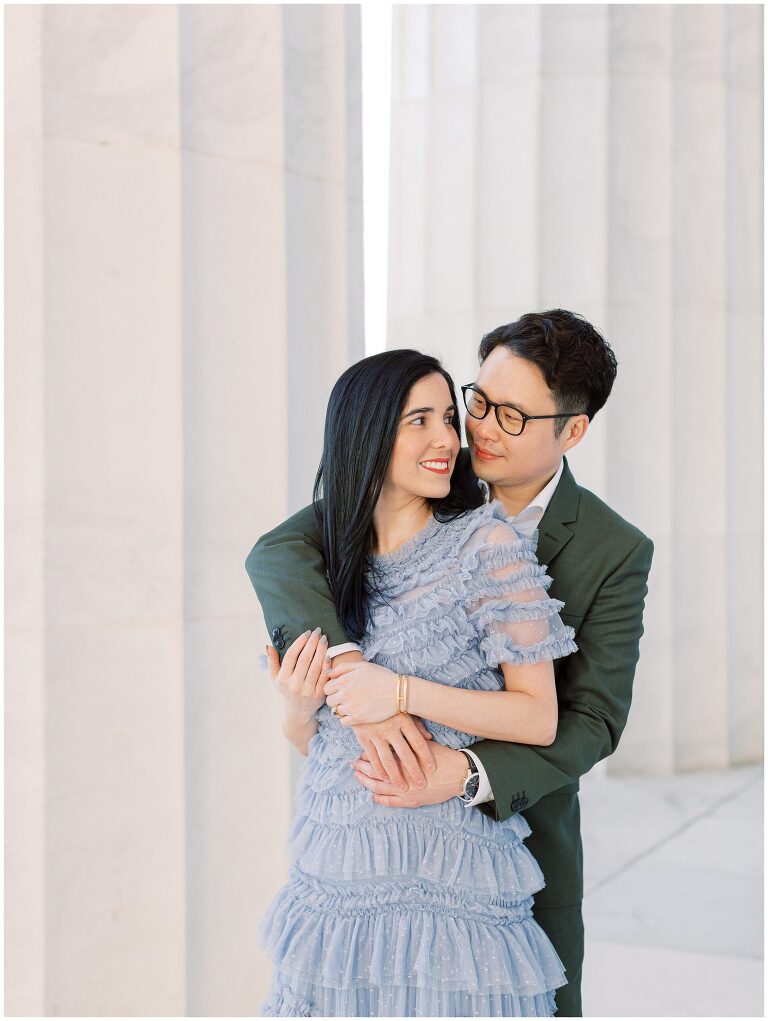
<point>510,418</point>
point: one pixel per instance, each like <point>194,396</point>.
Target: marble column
<point>271,199</point>
<point>607,158</point>
<point>744,377</point>
<point>184,195</point>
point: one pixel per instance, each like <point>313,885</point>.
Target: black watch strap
<point>472,766</point>
<point>472,782</point>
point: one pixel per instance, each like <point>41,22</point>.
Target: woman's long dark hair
<point>361,426</point>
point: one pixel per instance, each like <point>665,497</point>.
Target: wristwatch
<point>471,784</point>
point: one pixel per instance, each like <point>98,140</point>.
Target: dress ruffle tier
<point>420,912</point>
<point>429,945</point>
<point>414,936</point>
<point>341,834</point>
<point>426,912</point>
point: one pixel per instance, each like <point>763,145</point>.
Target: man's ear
<point>575,431</point>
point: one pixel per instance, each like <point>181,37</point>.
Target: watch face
<point>471,786</point>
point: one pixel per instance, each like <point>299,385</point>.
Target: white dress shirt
<point>539,503</point>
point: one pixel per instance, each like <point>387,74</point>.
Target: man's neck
<point>516,498</point>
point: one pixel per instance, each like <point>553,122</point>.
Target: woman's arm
<point>526,712</point>
<point>397,746</point>
<point>299,730</point>
<point>518,631</point>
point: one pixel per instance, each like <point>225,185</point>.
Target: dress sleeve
<point>515,619</point>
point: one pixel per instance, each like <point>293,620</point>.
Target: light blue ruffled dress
<point>424,912</point>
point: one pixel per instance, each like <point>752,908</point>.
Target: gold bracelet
<point>397,693</point>
<point>402,693</point>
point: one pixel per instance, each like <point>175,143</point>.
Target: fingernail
<point>420,784</point>
<point>323,638</point>
<point>305,634</point>
<point>317,631</point>
<point>402,787</point>
<point>431,767</point>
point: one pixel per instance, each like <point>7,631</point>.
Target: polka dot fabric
<point>422,912</point>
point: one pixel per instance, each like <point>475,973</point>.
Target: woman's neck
<point>396,520</point>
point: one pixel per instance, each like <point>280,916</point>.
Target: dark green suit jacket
<point>599,564</point>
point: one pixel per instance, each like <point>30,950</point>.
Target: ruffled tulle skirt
<point>404,912</point>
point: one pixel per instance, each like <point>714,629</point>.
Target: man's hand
<point>397,750</point>
<point>444,783</point>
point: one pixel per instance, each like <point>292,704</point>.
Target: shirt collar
<point>541,500</point>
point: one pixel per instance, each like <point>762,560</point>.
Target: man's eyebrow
<point>424,411</point>
<point>514,404</point>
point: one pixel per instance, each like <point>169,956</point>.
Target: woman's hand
<point>398,751</point>
<point>299,678</point>
<point>364,692</point>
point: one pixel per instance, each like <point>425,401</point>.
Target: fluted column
<point>184,187</point>
<point>744,377</point>
<point>272,300</point>
<point>607,159</point>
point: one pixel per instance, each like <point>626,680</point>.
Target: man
<point>541,381</point>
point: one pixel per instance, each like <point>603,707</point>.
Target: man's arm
<point>595,696</point>
<point>287,571</point>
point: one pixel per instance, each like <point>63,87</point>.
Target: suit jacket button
<point>279,643</point>
<point>524,802</point>
<point>276,632</point>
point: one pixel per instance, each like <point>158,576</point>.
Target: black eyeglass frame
<point>492,404</point>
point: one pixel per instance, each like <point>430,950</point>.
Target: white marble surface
<point>24,578</point>
<point>607,158</point>
<point>744,106</point>
<point>633,981</point>
<point>674,894</point>
<point>112,498</point>
<point>185,217</point>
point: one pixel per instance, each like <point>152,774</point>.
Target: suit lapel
<point>551,542</point>
<point>563,509</point>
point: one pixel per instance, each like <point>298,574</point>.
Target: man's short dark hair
<point>577,363</point>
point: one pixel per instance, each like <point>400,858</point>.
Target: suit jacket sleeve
<point>595,692</point>
<point>287,571</point>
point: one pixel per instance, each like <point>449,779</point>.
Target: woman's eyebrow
<point>424,411</point>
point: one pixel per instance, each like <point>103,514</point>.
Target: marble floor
<point>673,905</point>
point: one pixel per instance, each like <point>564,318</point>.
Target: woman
<point>423,912</point>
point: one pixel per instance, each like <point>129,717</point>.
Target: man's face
<point>499,458</point>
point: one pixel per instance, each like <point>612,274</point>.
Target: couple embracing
<point>471,620</point>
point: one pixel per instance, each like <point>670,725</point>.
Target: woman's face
<point>426,446</point>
